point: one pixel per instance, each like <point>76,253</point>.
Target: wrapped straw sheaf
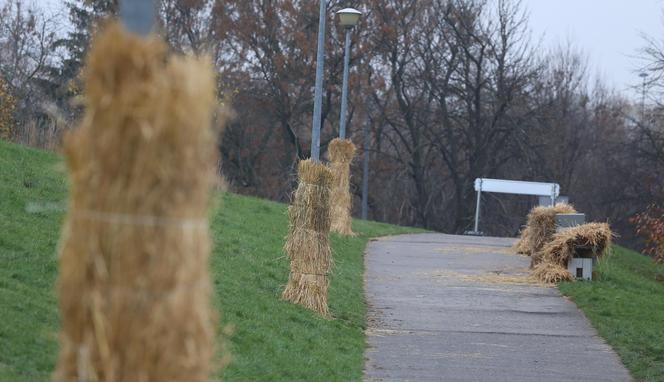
<point>134,289</point>
<point>307,244</point>
<point>540,228</point>
<point>341,152</point>
<point>550,263</point>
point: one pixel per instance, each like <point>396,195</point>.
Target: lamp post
<point>318,93</point>
<point>307,244</point>
<point>138,16</point>
<point>643,75</point>
<point>348,18</point>
<point>365,173</point>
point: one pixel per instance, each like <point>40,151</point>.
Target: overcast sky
<point>609,31</point>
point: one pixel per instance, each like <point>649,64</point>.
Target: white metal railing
<point>517,187</point>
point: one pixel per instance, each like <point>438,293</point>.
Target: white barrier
<point>517,187</point>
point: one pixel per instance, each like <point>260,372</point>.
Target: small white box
<point>581,268</point>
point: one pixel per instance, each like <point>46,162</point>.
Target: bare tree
<point>27,36</point>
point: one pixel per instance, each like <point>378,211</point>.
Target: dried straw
<point>522,246</point>
<point>554,256</point>
<point>551,273</point>
<point>134,289</point>
<point>342,152</point>
<point>307,244</point>
<point>540,228</point>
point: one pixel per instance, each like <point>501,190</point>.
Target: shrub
<point>7,105</point>
<point>650,225</point>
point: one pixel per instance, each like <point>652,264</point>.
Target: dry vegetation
<point>650,225</point>
<point>550,249</point>
<point>307,244</point>
<point>540,227</point>
<point>7,106</point>
<point>341,152</point>
<point>134,287</point>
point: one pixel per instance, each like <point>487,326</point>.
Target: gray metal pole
<point>365,174</point>
<point>643,95</point>
<point>318,94</point>
<point>138,16</point>
<point>344,91</point>
<point>477,209</point>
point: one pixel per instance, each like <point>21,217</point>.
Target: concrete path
<point>457,308</point>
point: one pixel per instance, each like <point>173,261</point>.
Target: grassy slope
<point>272,340</point>
<point>626,305</point>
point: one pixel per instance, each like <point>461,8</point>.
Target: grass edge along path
<point>625,303</point>
<point>271,340</point>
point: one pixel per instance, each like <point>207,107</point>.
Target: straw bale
<point>548,272</point>
<point>307,244</point>
<point>342,152</point>
<point>596,237</point>
<point>593,237</point>
<point>522,245</point>
<point>540,227</point>
<point>134,289</point>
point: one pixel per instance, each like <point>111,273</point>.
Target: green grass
<point>626,305</point>
<point>272,340</point>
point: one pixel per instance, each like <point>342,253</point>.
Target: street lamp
<point>365,173</point>
<point>643,75</point>
<point>318,93</point>
<point>348,18</point>
<point>138,16</point>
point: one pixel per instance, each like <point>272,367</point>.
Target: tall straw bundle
<point>540,227</point>
<point>134,288</point>
<point>595,238</point>
<point>342,152</point>
<point>307,245</point>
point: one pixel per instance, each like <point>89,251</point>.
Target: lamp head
<point>348,17</point>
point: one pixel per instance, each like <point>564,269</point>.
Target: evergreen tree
<point>84,16</point>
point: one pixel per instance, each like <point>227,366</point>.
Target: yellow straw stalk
<point>307,245</point>
<point>540,228</point>
<point>134,288</point>
<point>342,152</point>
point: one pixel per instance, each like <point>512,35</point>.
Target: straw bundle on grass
<point>595,238</point>
<point>540,227</point>
<point>550,273</point>
<point>342,152</point>
<point>134,288</point>
<point>551,261</point>
<point>307,245</point>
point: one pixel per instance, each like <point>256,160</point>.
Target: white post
<point>477,207</point>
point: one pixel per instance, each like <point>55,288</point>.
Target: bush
<point>650,225</point>
<point>7,105</point>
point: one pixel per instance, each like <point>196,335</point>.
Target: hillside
<point>271,339</point>
<point>625,303</point>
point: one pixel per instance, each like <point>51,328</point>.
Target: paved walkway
<point>457,308</point>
